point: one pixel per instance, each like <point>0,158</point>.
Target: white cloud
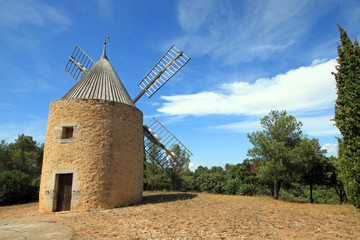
<point>193,166</point>
<point>15,13</point>
<point>229,30</point>
<point>310,88</point>
<point>332,148</point>
<point>319,125</point>
<point>243,126</point>
<point>314,126</point>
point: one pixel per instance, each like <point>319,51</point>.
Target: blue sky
<point>247,58</point>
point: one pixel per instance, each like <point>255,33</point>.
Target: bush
<point>15,188</point>
<point>326,195</point>
<point>245,189</point>
<point>232,186</point>
<point>187,183</point>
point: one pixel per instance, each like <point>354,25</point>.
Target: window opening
<point>67,132</point>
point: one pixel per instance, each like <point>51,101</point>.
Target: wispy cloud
<point>231,32</point>
<point>33,126</point>
<point>310,88</point>
<point>5,105</point>
<point>240,127</point>
<point>313,126</point>
<point>18,13</point>
<point>193,14</point>
<point>319,125</point>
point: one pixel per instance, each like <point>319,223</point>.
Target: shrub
<point>232,186</point>
<point>246,189</point>
<point>15,187</point>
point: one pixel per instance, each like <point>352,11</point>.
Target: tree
<point>241,178</point>
<point>26,156</point>
<point>335,180</point>
<point>155,168</point>
<point>5,160</point>
<point>188,182</point>
<point>211,182</point>
<point>155,178</point>
<point>347,115</point>
<point>176,172</point>
<point>313,164</point>
<point>274,146</point>
<point>197,175</point>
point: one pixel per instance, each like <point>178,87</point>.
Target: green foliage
<point>20,170</point>
<point>313,165</point>
<point>299,193</point>
<point>158,177</point>
<point>274,148</point>
<point>188,182</point>
<point>232,186</point>
<point>335,180</point>
<point>26,155</point>
<point>211,181</point>
<point>294,193</point>
<point>155,178</point>
<point>5,160</point>
<point>347,115</point>
<point>15,187</point>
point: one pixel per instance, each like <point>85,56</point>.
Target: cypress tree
<point>347,115</point>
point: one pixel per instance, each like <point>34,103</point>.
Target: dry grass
<point>203,216</point>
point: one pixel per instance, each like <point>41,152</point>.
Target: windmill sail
<point>172,61</point>
<point>160,145</point>
<point>79,64</point>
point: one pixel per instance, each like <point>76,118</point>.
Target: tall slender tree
<point>347,114</point>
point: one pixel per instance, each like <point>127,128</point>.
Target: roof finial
<point>104,51</point>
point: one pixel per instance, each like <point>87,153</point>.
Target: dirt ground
<point>202,216</point>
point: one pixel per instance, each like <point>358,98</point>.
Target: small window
<point>67,132</point>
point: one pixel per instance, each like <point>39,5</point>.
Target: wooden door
<point>64,192</point>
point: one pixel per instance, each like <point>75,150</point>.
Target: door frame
<point>57,186</point>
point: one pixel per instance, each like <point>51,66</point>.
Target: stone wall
<point>105,154</point>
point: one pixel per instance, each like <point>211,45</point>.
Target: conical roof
<point>101,82</point>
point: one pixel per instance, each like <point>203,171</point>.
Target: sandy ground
<point>202,216</point>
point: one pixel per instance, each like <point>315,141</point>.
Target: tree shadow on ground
<point>162,198</point>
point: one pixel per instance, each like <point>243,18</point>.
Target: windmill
<point>171,152</point>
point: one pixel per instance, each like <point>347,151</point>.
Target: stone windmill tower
<point>94,146</point>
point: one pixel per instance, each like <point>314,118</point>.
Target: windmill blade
<point>157,138</point>
<point>79,64</point>
<point>156,154</point>
<point>172,61</point>
<point>169,154</point>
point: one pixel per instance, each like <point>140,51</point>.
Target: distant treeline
<point>243,179</point>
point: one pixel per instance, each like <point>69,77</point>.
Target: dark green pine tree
<point>347,115</point>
